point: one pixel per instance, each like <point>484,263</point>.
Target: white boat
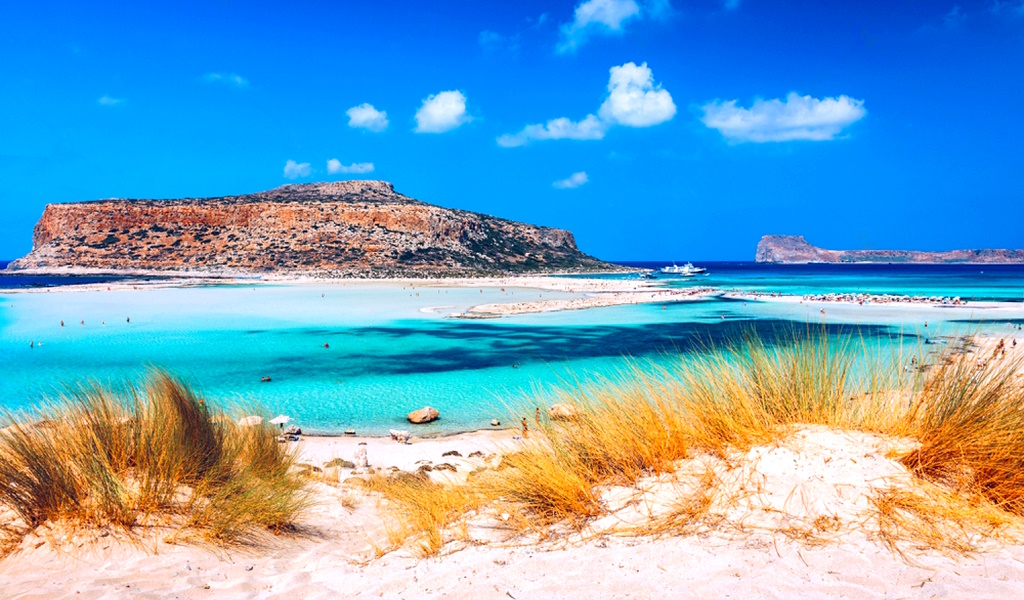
<point>677,270</point>
<point>687,270</point>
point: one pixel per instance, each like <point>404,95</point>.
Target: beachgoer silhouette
<point>526,429</point>
<point>62,323</point>
<point>128,320</point>
<point>538,415</point>
<point>31,344</point>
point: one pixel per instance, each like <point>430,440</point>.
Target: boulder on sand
<point>423,415</point>
<point>563,412</point>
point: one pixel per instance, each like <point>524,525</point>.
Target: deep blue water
<point>13,280</point>
<point>972,282</point>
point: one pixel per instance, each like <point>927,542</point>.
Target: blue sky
<point>651,129</point>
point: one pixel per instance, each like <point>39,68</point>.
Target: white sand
<point>594,300</point>
<point>748,554</point>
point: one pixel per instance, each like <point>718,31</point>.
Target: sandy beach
<point>763,545</point>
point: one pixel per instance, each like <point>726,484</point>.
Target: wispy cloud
<point>442,112</point>
<point>634,100</point>
<point>294,170</point>
<point>496,43</point>
<point>606,17</point>
<point>590,128</point>
<point>795,118</point>
<point>954,17</point>
<point>1011,7</point>
<point>232,79</point>
<point>365,116</point>
<point>334,166</point>
<point>596,16</point>
<point>109,101</point>
<point>573,181</point>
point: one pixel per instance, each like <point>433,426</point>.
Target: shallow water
<point>391,348</point>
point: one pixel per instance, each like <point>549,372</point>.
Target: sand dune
<point>790,519</point>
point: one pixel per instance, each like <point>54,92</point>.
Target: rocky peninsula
<point>794,249</point>
<point>339,229</point>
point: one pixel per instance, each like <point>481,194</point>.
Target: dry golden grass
<point>144,456</point>
<point>427,514</point>
<point>968,420</point>
<point>931,517</point>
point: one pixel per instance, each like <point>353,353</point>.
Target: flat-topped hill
<point>794,249</point>
<point>347,228</point>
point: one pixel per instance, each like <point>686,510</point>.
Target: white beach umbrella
<point>250,421</point>
<point>280,420</point>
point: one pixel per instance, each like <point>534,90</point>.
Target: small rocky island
<point>794,249</point>
<point>339,229</point>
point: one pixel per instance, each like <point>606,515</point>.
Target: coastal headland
<point>338,229</point>
<point>794,249</point>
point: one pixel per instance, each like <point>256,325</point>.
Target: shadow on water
<point>458,346</point>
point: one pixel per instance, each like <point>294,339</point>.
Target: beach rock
<point>445,467</point>
<point>563,412</point>
<point>453,453</point>
<point>423,415</point>
<point>495,422</point>
<point>476,454</point>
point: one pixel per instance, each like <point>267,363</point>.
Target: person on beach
<point>537,415</point>
<point>32,344</point>
<point>62,323</point>
<point>526,429</point>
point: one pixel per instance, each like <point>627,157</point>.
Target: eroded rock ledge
<point>348,228</point>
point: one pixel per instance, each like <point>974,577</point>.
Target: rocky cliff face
<point>350,228</point>
<point>794,249</point>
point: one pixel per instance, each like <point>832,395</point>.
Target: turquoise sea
<point>392,349</point>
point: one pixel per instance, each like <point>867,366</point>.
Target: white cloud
<point>442,112</point>
<point>1015,7</point>
<point>293,169</point>
<point>634,100</point>
<point>334,166</point>
<point>596,16</point>
<point>227,79</point>
<point>590,128</point>
<point>109,101</point>
<point>795,118</point>
<point>365,116</point>
<point>573,181</point>
<point>608,17</point>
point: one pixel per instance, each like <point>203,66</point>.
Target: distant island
<point>794,249</point>
<point>340,229</point>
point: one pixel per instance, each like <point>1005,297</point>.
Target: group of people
<point>32,344</point>
<point>526,427</point>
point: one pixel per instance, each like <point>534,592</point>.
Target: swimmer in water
<point>327,345</point>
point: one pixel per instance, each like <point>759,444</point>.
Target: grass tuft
<point>150,455</point>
